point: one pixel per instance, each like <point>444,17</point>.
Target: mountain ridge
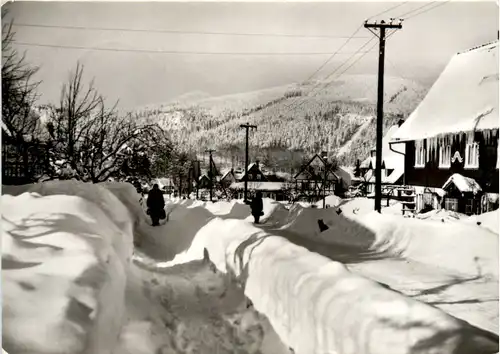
<point>307,118</point>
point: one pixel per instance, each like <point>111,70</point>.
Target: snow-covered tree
<point>94,140</point>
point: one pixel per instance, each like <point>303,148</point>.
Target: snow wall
<point>459,245</point>
<point>66,247</point>
<point>317,306</point>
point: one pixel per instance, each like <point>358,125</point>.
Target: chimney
<point>257,163</point>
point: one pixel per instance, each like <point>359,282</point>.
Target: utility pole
<point>325,160</point>
<point>210,171</point>
<point>382,26</point>
<point>247,126</point>
<point>190,183</point>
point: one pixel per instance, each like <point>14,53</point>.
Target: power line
<point>295,105</point>
<point>291,35</point>
<point>328,60</point>
<point>346,69</point>
<point>334,54</point>
<point>386,11</point>
<point>351,37</point>
<point>169,51</point>
<point>339,75</point>
<point>357,52</point>
<point>429,9</point>
<point>399,74</point>
<point>415,9</point>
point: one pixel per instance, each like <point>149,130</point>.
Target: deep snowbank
<point>318,306</point>
<point>488,220</point>
<point>63,270</point>
<point>459,246</point>
<point>104,200</point>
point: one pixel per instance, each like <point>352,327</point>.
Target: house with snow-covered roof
<point>393,162</point>
<point>315,179</point>
<point>451,138</point>
<point>257,181</point>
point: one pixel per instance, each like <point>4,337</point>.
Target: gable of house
<point>314,170</point>
<point>254,173</point>
<point>464,98</point>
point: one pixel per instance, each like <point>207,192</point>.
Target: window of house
<point>451,204</point>
<point>444,156</point>
<point>472,155</point>
<point>419,155</point>
<point>469,206</point>
<point>258,177</point>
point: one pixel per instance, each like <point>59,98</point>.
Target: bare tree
<point>22,151</point>
<point>94,141</point>
<point>19,91</point>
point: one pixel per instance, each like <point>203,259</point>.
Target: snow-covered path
<point>191,308</point>
<point>194,308</point>
<point>185,289</point>
<point>473,298</point>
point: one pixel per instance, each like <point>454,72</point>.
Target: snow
<point>263,186</point>
<point>63,275</point>
<point>464,98</point>
<point>209,281</point>
<point>330,200</point>
<point>78,293</point>
<point>347,146</point>
<point>99,195</point>
<point>391,160</point>
<point>441,214</point>
<point>488,220</point>
<point>464,184</point>
<point>293,287</point>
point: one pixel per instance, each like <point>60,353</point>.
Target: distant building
<point>451,139</point>
<point>393,163</point>
<point>257,181</point>
<point>312,177</point>
<point>347,176</point>
<point>204,182</point>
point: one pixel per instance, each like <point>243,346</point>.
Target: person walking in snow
<point>257,207</point>
<point>155,205</point>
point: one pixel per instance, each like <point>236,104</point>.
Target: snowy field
<point>209,281</point>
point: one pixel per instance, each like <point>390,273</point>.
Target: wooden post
<point>382,26</point>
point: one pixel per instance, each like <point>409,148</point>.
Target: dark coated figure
<point>156,205</point>
<point>257,207</point>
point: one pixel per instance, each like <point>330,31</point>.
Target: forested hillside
<point>293,121</point>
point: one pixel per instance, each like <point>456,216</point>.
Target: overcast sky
<point>420,50</point>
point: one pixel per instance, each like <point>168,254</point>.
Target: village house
<point>348,178</point>
<point>311,178</point>
<point>451,138</point>
<point>392,173</point>
<point>257,181</point>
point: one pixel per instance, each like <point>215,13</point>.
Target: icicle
<point>427,150</point>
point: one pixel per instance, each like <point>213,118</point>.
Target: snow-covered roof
<point>263,186</point>
<point>163,181</point>
<point>225,174</point>
<point>463,184</point>
<point>392,178</point>
<point>464,98</point>
<point>390,160</point>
